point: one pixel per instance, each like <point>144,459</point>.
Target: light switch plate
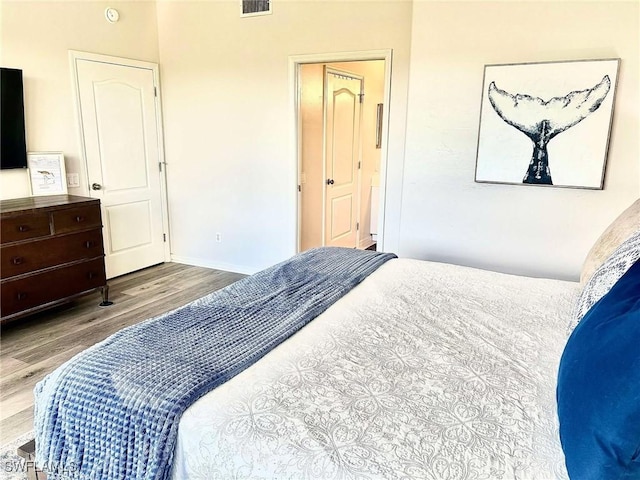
<point>73,180</point>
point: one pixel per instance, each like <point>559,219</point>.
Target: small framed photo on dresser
<point>47,174</point>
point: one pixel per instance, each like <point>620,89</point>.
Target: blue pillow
<point>599,387</point>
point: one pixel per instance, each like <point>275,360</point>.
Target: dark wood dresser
<point>51,251</point>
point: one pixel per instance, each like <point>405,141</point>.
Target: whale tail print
<point>541,121</point>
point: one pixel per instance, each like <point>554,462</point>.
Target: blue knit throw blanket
<point>112,412</point>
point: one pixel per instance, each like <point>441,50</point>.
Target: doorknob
<point>330,181</point>
<point>96,186</point>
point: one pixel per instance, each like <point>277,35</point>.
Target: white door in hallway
<point>119,120</point>
<point>342,157</point>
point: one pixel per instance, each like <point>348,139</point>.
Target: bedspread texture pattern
<point>425,371</point>
<point>113,411</point>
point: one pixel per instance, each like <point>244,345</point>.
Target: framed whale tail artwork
<point>546,123</point>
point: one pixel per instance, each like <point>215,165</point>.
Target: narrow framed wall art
<point>546,123</point>
<point>47,173</point>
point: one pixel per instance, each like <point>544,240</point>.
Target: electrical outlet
<point>218,237</point>
<point>73,180</point>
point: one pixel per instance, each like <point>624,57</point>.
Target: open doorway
<point>340,107</point>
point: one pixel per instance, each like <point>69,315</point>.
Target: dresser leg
<point>28,452</point>
<point>105,296</point>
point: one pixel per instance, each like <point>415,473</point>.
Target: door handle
<point>330,181</point>
<point>96,186</point>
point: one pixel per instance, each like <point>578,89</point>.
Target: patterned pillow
<point>604,277</point>
<point>618,231</point>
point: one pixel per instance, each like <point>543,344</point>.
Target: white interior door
<point>342,157</point>
<point>119,125</point>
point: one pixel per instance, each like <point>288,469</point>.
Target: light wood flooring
<point>32,347</point>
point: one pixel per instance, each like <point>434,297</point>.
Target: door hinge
<point>164,237</point>
<point>160,165</point>
<point>299,188</point>
<point>155,91</point>
<point>361,95</point>
<point>359,163</point>
<point>357,225</point>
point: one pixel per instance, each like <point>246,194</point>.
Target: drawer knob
<point>89,244</point>
<point>23,228</point>
<point>17,260</point>
<point>79,219</point>
<point>21,295</point>
<point>91,275</point>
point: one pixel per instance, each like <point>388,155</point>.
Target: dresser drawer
<point>49,252</point>
<point>71,219</point>
<point>39,289</point>
<point>24,227</point>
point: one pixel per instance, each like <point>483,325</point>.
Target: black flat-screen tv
<point>13,148</point>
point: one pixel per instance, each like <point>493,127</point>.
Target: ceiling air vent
<point>251,8</point>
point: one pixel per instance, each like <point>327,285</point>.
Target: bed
<point>421,370</point>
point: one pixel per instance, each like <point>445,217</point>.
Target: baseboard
<point>200,262</point>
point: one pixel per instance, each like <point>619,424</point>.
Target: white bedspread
<point>425,371</point>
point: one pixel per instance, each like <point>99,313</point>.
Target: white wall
<point>36,37</point>
<point>227,103</point>
<point>522,229</point>
<point>228,137</point>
